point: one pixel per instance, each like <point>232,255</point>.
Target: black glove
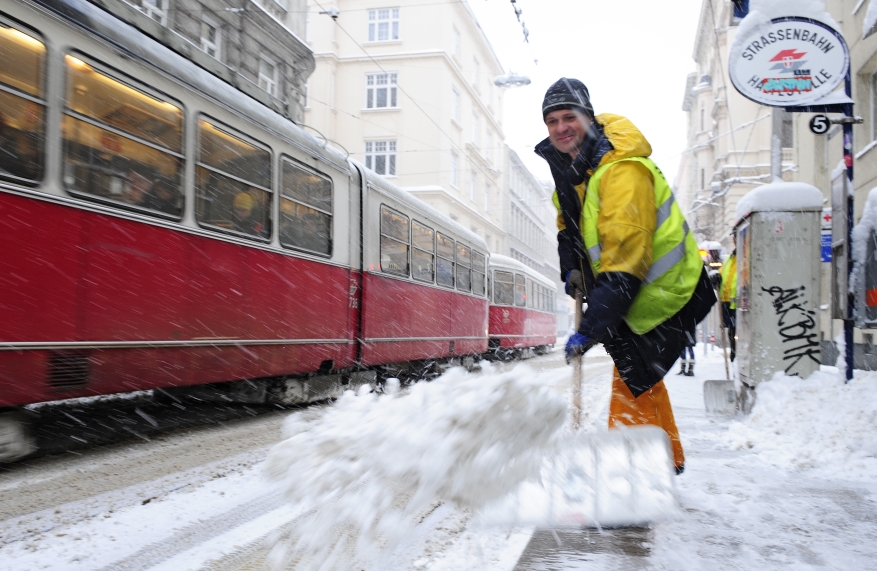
<point>574,282</point>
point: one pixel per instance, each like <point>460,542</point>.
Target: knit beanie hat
<point>567,94</point>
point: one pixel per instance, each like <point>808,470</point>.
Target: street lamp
<point>511,79</point>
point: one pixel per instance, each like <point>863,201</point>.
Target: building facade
<point>406,88</point>
<point>254,45</point>
<point>728,151</point>
<point>730,140</point>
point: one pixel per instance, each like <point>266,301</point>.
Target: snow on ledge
<point>780,196</point>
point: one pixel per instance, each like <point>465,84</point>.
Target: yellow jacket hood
<point>627,140</point>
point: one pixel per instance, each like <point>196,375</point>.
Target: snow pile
<point>780,196</point>
<point>819,424</point>
<point>373,465</point>
<point>761,12</point>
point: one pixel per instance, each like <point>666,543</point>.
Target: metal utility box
<point>778,281</point>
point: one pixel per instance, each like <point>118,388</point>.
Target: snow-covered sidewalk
<point>792,486</point>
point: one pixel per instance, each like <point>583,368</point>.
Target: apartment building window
<point>874,107</point>
<point>155,9</point>
<point>455,104</point>
<point>380,90</point>
<point>486,198</point>
<point>383,25</point>
<point>473,183</point>
<point>267,75</point>
<point>476,72</point>
<point>454,169</point>
<point>476,127</point>
<point>211,37</point>
<point>380,156</point>
<point>488,147</point>
<point>455,42</point>
<point>702,179</point>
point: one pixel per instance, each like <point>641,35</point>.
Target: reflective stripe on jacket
<point>675,264</point>
<point>729,281</point>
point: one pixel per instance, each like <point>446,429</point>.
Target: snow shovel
<point>622,477</point>
<point>720,397</point>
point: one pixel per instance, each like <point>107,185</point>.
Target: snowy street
<point>791,487</point>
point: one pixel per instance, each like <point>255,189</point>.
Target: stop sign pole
<point>847,121</point>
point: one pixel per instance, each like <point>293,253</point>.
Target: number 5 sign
<point>819,124</point>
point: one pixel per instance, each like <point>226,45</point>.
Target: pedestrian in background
<point>624,242</point>
<point>729,296</point>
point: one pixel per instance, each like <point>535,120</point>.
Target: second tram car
<point>522,316</point>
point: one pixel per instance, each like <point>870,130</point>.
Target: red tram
<point>160,229</point>
<point>522,317</point>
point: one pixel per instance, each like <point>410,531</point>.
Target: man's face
<point>567,130</point>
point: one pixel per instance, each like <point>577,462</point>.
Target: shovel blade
<point>621,477</point>
<point>720,397</point>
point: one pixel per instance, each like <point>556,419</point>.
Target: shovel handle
<point>724,338</point>
<point>577,370</point>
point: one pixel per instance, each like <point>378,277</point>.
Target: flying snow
<point>373,465</point>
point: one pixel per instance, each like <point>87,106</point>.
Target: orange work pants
<point>651,407</point>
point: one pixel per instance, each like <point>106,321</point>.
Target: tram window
<point>232,183</point>
<point>394,242</point>
<point>444,275</point>
<point>305,209</point>
<point>477,272</point>
<point>121,144</point>
<point>423,254</point>
<point>464,263</point>
<point>22,105</point>
<point>503,288</point>
<point>520,290</point>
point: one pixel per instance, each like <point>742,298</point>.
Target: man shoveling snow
<point>625,246</point>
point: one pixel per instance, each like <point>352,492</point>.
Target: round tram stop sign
<point>792,61</point>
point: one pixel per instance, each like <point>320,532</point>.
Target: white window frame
<point>269,84</point>
<point>486,197</point>
<point>476,72</point>
<point>874,106</point>
<point>455,42</point>
<point>455,104</point>
<point>454,170</point>
<point>206,44</point>
<point>379,16</point>
<point>488,147</point>
<point>386,149</point>
<point>155,9</point>
<point>476,128</point>
<point>473,184</point>
<point>373,85</point>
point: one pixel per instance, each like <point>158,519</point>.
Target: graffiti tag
<point>795,323</point>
